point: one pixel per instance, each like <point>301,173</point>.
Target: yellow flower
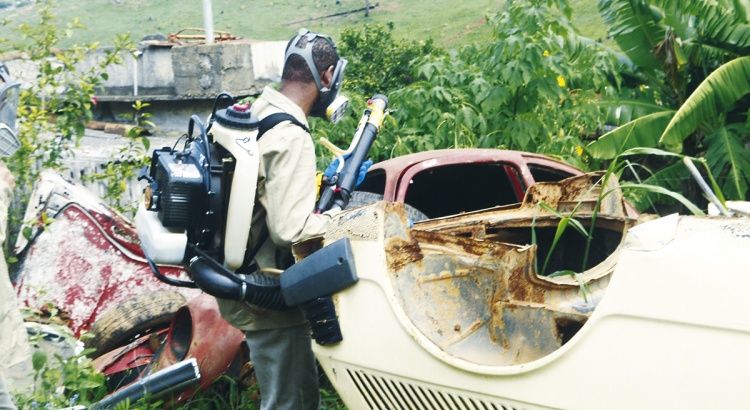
<point>560,81</point>
<point>579,150</point>
<point>546,53</point>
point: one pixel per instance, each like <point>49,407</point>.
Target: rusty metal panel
<point>469,283</point>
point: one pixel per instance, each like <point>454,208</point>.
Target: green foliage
<point>609,184</point>
<point>54,109</point>
<point>565,220</point>
<point>717,94</point>
<point>330,400</point>
<point>634,134</point>
<point>118,174</point>
<point>449,22</point>
<point>578,277</point>
<point>621,17</point>
<point>728,158</point>
<point>534,88</point>
<point>60,382</point>
<point>652,188</point>
<point>693,57</point>
<point>378,63</point>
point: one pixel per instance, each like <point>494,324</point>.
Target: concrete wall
<point>195,71</point>
<point>177,80</point>
<point>152,73</point>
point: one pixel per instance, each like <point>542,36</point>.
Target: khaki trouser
<point>5,401</point>
<point>285,368</point>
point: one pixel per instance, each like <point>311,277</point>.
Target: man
<point>14,346</point>
<point>280,341</point>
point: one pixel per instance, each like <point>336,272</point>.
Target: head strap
<point>307,52</point>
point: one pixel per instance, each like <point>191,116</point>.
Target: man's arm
<point>289,187</point>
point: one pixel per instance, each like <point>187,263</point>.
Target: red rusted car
<point>448,182</point>
<point>86,260</point>
<point>87,264</point>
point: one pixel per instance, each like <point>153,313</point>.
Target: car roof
<point>401,163</point>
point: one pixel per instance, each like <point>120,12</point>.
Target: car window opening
<point>374,183</point>
<point>454,189</point>
<point>545,174</point>
<point>489,280</point>
<point>569,251</point>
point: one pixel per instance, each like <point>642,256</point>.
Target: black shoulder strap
<point>274,119</point>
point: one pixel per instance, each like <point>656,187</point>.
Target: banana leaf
<point>663,191</point>
<point>729,160</point>
<point>741,8</point>
<point>621,111</point>
<point>634,25</point>
<point>710,30</point>
<point>715,95</point>
<point>642,132</point>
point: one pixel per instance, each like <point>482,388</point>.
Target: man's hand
<point>328,173</point>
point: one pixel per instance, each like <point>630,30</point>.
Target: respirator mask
<point>329,104</point>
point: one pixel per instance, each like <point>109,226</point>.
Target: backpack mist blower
<point>198,206</point>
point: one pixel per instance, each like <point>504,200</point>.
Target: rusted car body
<point>90,258</point>
<point>196,332</point>
<point>85,262</point>
<point>468,298</point>
<point>492,309</point>
<point>93,252</point>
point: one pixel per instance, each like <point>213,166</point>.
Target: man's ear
<point>326,77</point>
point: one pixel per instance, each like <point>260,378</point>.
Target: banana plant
<point>692,57</point>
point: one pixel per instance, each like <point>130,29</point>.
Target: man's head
<point>313,59</point>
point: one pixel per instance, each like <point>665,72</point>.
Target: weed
<point>118,174</point>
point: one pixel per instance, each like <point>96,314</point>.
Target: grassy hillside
<point>450,23</point>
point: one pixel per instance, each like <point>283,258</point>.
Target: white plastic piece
<point>244,147</point>
<point>738,207</point>
<point>163,245</point>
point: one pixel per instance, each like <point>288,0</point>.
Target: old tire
<point>362,198</point>
<point>134,317</point>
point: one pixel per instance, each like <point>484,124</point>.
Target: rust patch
<point>445,274</point>
<point>399,253</point>
<point>497,322</point>
<point>461,335</point>
<point>522,289</point>
<point>458,244</point>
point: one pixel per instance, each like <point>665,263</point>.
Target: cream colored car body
<point>451,314</point>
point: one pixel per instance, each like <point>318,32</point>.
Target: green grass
<point>587,19</point>
<point>449,23</point>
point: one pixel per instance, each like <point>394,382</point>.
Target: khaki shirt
<point>285,200</point>
<point>14,344</point>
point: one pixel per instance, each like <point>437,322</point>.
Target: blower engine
<point>188,190</point>
<point>187,204</point>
